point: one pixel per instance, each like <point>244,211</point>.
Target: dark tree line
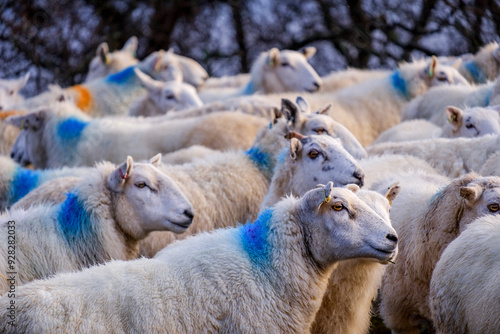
<point>55,39</point>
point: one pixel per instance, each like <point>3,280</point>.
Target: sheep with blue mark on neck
<point>62,135</point>
<point>102,218</point>
<point>273,71</point>
<point>16,181</point>
<point>266,277</point>
<point>230,186</point>
<point>483,66</point>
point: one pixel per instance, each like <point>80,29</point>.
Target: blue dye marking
<point>123,76</point>
<point>261,159</point>
<point>399,83</point>
<point>282,156</point>
<point>487,98</point>
<point>254,238</point>
<point>437,195</point>
<point>476,73</point>
<point>71,129</point>
<point>74,221</point>
<point>249,89</point>
<point>23,182</point>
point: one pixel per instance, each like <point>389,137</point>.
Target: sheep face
<point>339,225</point>
<point>289,71</point>
<point>9,91</point>
<point>481,197</point>
<point>327,158</point>
<point>147,200</point>
<point>28,147</point>
<point>105,62</point>
<point>439,74</point>
<point>473,122</point>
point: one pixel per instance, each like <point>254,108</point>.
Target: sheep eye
<point>337,207</point>
<point>11,92</point>
<point>285,64</point>
<point>140,185</point>
<point>319,130</point>
<point>313,154</point>
<point>170,97</point>
<point>469,126</point>
<point>442,77</point>
<point>493,207</point>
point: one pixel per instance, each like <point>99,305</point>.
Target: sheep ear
<point>158,61</point>
<point>455,116</point>
<point>290,110</point>
<point>352,187</point>
<point>496,54</point>
<point>294,134</point>
<point>273,57</point>
<point>156,160</point>
<point>131,45</point>
<point>471,193</point>
<point>430,70</point>
<point>170,51</point>
<point>324,110</point>
<point>102,52</point>
<point>392,192</point>
<point>303,104</point>
<point>118,177</point>
<point>318,196</point>
<point>32,121</point>
<point>457,63</point>
<point>149,83</point>
<point>295,148</point>
<point>309,51</point>
<point>21,82</point>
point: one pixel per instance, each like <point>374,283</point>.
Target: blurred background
<point>56,39</point>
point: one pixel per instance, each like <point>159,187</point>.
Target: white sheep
<point>9,91</point>
<point>276,269</point>
<point>105,62</point>
<point>449,156</point>
<point>192,72</point>
<point>426,224</point>
<point>491,166</point>
<point>465,283</point>
<point>101,219</point>
<point>64,136</point>
<point>227,81</point>
<point>338,80</point>
<point>274,71</point>
<point>470,122</point>
<point>483,66</point>
<point>310,160</point>
<point>16,181</point>
<point>163,97</point>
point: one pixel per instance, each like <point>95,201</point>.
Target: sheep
<point>8,135</point>
<point>471,122</point>
<point>227,81</point>
<point>186,155</point>
<point>449,156</point>
<point>16,182</point>
<point>338,80</point>
<point>276,268</point>
<point>102,218</point>
<point>105,63</point>
<point>430,105</point>
<point>70,138</point>
<point>312,159</point>
<point>354,284</point>
<point>426,225</point>
<point>491,166</point>
<point>163,97</point>
<point>274,71</point>
<point>9,91</point>
<point>464,286</point>
<point>192,72</point>
<point>484,65</point>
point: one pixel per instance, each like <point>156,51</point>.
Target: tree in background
<point>56,39</point>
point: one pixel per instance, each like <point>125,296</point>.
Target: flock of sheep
<point>306,202</point>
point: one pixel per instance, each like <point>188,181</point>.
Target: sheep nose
<point>360,176</point>
<point>12,155</point>
<point>317,85</point>
<point>188,214</point>
<point>392,237</point>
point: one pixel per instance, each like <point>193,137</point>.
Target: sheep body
<point>338,80</point>
<point>483,66</point>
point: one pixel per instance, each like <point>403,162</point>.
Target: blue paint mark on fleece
<point>23,182</point>
<point>123,76</point>
<point>254,238</point>
<point>74,221</point>
<point>262,160</point>
<point>488,97</point>
<point>282,156</point>
<point>249,89</point>
<point>71,129</point>
<point>399,83</point>
<point>476,73</point>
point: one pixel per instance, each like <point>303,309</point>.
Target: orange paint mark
<point>12,112</point>
<point>84,98</point>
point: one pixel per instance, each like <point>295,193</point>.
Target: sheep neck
<point>23,182</point>
<point>249,89</point>
<point>399,84</point>
<point>476,72</point>
<point>262,159</point>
